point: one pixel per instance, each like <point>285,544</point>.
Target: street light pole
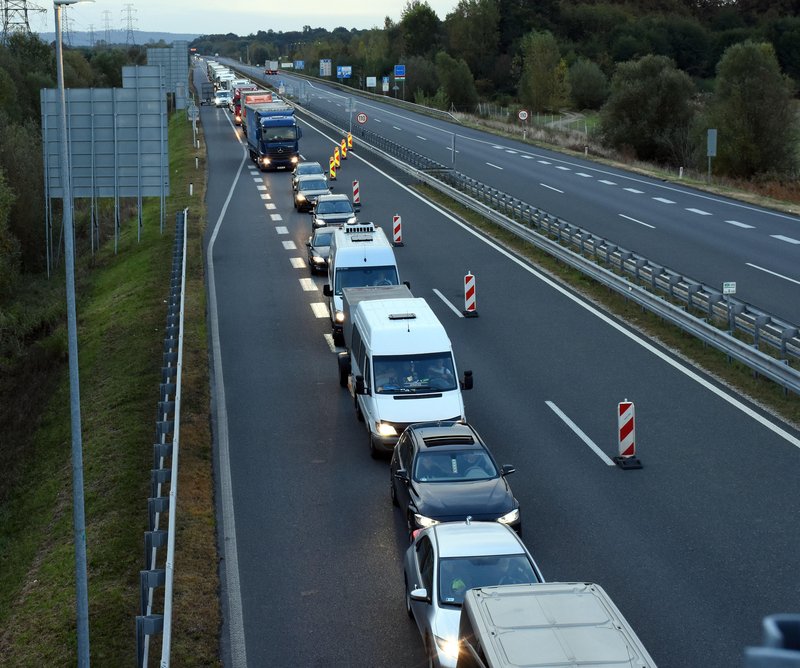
<point>78,518</point>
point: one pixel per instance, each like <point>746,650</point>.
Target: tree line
<point>660,72</point>
<point>27,64</point>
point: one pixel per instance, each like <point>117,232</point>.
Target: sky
<point>241,17</point>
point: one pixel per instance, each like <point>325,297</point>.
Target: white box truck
<point>547,624</point>
<point>360,255</point>
<point>396,351</point>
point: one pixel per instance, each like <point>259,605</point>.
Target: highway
<point>708,238</point>
<point>695,548</point>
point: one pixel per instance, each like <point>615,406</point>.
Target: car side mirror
<point>508,469</point>
<point>420,594</point>
<point>326,290</point>
<point>401,474</point>
<point>308,244</point>
<point>407,284</point>
<point>466,384</point>
<point>360,389</point>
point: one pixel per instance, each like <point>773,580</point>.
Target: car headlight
<point>423,521</point>
<point>447,645</point>
<point>352,220</point>
<point>339,317</point>
<point>509,518</point>
<point>301,197</point>
<point>385,429</point>
<point>317,259</point>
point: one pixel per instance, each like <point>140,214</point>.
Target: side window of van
<point>367,373</point>
<point>355,347</point>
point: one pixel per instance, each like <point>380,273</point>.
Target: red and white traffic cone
<point>397,230</point>
<point>470,309</point>
<point>626,431</point>
<point>356,196</point>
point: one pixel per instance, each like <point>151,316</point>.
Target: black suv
<point>443,472</point>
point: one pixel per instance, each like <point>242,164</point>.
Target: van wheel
<point>373,451</point>
<point>360,415</point>
<point>344,370</point>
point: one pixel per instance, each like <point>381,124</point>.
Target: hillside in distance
<point>78,38</point>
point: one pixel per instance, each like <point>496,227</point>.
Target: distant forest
<point>659,72</point>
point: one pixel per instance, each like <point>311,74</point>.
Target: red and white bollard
<point>470,310</point>
<point>397,230</point>
<point>626,432</point>
<point>356,196</point>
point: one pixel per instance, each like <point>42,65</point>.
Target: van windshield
<point>359,277</point>
<point>404,374</point>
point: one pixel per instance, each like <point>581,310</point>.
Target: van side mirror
<point>466,384</point>
<point>407,284</point>
<point>507,469</point>
<point>326,290</point>
<point>360,389</point>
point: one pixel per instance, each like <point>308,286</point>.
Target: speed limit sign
<point>361,117</point>
<point>522,115</point>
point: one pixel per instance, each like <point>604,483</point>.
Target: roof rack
<point>449,440</point>
<point>354,228</point>
<point>402,316</point>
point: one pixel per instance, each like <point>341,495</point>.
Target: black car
<point>443,472</point>
<point>309,188</point>
<point>319,248</point>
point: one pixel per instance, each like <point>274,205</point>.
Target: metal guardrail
<point>165,449</point>
<point>557,237</point>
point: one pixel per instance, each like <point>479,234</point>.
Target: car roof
<point>311,178</point>
<point>309,164</point>
<point>437,434</point>
<point>332,197</point>
<point>462,539</point>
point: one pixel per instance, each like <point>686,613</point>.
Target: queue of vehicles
<point>474,590</point>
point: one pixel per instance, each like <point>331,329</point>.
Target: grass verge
<point>736,375</point>
<point>121,318</point>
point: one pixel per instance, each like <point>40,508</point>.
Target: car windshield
<point>404,374</point>
<point>358,277</point>
<point>454,466</point>
<point>338,206</point>
<point>458,574</point>
<point>313,184</point>
<point>322,237</point>
<point>309,168</point>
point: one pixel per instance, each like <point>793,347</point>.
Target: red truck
<point>237,101</point>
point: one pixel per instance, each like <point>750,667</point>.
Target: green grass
<point>121,317</point>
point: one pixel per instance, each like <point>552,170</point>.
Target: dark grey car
<point>443,472</point>
<point>309,188</point>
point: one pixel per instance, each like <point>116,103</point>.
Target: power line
<point>15,17</point>
<point>129,18</point>
<point>107,25</point>
<point>66,26</point>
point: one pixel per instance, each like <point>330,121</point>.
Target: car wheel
<point>430,651</point>
<point>409,611</point>
<point>338,338</point>
<point>410,526</point>
<point>373,451</point>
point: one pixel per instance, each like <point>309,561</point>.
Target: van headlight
<point>509,518</point>
<point>448,645</point>
<point>351,221</point>
<point>385,429</point>
<point>339,317</point>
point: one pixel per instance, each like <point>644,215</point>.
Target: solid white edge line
<point>238,647</point>
<point>580,434</point>
<point>544,185</point>
<point>447,302</point>
<point>633,336</point>
<point>495,166</point>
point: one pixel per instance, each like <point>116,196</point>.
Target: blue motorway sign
<point>399,71</point>
<point>299,64</point>
<point>344,71</point>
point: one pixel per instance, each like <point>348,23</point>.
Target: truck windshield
<point>405,374</point>
<point>280,133</point>
<point>359,277</point>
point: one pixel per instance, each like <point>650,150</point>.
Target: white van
<point>400,369</point>
<point>360,254</point>
<point>546,624</point>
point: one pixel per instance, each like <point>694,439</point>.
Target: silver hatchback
<point>443,562</point>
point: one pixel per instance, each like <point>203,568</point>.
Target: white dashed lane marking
<point>544,185</point>
<point>289,245</point>
<point>266,196</point>
<point>280,229</point>
<point>663,200</point>
<point>634,191</point>
<point>308,284</point>
<point>270,206</point>
<point>320,309</point>
<point>544,162</point>
<point>736,223</point>
<point>422,138</point>
<point>275,217</point>
<point>788,240</point>
<point>608,183</point>
<point>495,166</point>
<point>564,169</point>
<point>528,157</point>
<point>261,187</point>
<point>584,175</point>
<point>699,212</point>
<point>297,262</point>
<point>633,220</point>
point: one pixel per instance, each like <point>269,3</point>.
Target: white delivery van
<point>546,624</point>
<point>360,254</point>
<point>400,369</point>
